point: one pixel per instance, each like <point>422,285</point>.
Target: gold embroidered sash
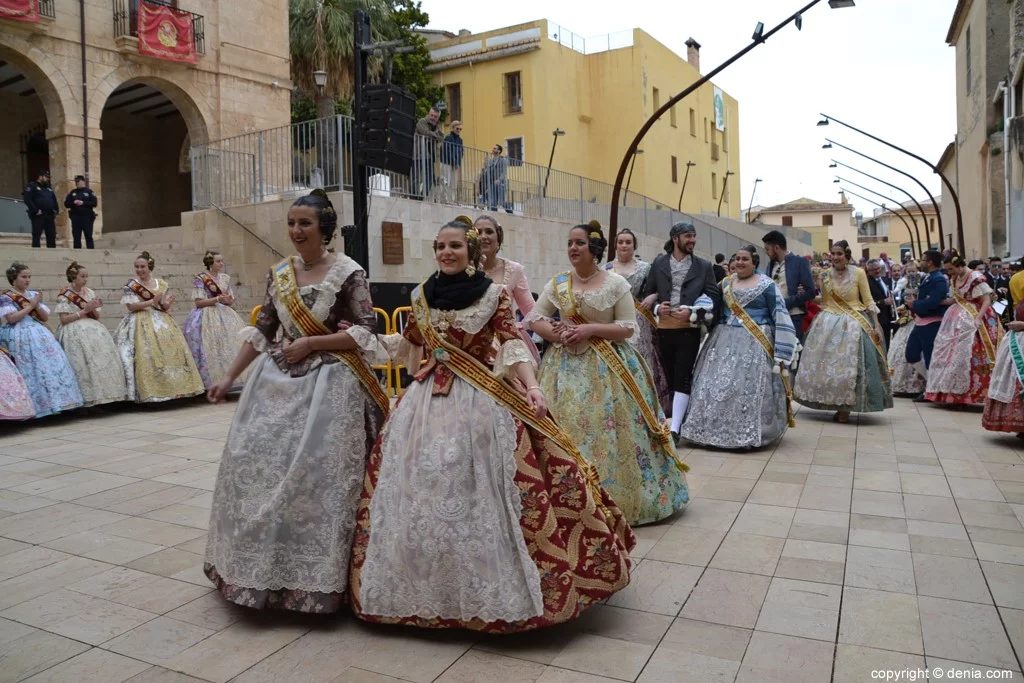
<point>310,326</point>
<point>986,340</point>
<point>480,377</point>
<point>758,334</point>
<point>73,296</point>
<point>23,303</point>
<point>645,313</point>
<point>562,285</point>
<point>844,306</point>
<point>138,288</point>
<point>210,284</point>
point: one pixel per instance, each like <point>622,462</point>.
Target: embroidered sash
<point>210,284</point>
<point>73,296</point>
<point>480,377</point>
<point>310,326</point>
<point>986,340</point>
<point>845,307</point>
<point>138,288</point>
<point>23,302</point>
<point>758,334</point>
<point>1018,359</point>
<point>644,312</point>
<point>562,285</point>
<point>5,352</point>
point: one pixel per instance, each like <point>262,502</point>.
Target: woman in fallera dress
<point>87,341</point>
<point>636,270</point>
<point>742,397</point>
<point>37,354</point>
<point>477,511</point>
<point>1004,406</point>
<point>212,327</point>
<point>600,390</point>
<point>284,504</point>
<point>906,380</point>
<point>507,273</point>
<point>965,347</point>
<point>843,364</point>
<point>15,400</point>
<point>157,363</point>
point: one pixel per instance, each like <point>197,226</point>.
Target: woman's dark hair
<point>14,271</point>
<point>464,224</point>
<point>975,263</point>
<point>627,231</point>
<point>954,259</point>
<point>752,250</point>
<point>148,258</point>
<point>499,231</point>
<point>596,243</point>
<point>327,217</point>
<point>208,258</point>
<point>73,270</point>
<point>845,246</point>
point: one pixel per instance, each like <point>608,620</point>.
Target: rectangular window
<point>826,219</point>
<point>675,170</point>
<point>931,225</point>
<point>672,117</point>
<point>725,140</point>
<point>967,56</point>
<point>693,123</point>
<point>714,186</point>
<point>453,95</point>
<point>787,221</point>
<point>656,98</point>
<point>514,150</point>
<point>705,129</point>
<point>513,92</point>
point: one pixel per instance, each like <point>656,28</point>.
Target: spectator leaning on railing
<point>451,164</point>
<point>425,152</point>
<point>494,181</point>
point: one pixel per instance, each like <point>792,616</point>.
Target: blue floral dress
<point>40,360</point>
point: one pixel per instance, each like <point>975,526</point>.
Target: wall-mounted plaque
<point>392,250</point>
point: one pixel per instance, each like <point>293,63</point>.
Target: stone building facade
<point>130,127</point>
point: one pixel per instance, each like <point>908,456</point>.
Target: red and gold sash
<point>844,306</point>
<point>983,332</point>
<point>23,303</point>
<point>310,326</point>
<point>73,296</point>
<point>758,334</point>
<point>138,288</point>
<point>210,284</point>
<point>648,316</point>
<point>562,285</point>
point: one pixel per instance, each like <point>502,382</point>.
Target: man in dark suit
<point>793,275</point>
<point>42,207</point>
<point>928,309</point>
<point>677,279</point>
<point>719,269</point>
<point>881,292</point>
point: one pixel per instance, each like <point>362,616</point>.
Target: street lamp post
<point>555,134</point>
<point>756,40</point>
<point>751,207</point>
<point>924,218</point>
<point>916,251</point>
<point>625,196</point>
<point>881,206</point>
<point>686,176</point>
<point>935,169</point>
<point>942,239</point>
<point>725,185</point>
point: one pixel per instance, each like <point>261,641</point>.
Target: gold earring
<point>471,270</point>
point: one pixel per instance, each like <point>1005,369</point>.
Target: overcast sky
<point>882,66</point>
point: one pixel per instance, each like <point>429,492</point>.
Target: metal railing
<point>126,21</point>
<point>46,9</point>
<point>283,162</point>
<point>592,45</point>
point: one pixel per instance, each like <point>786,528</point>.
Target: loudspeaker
<point>387,128</point>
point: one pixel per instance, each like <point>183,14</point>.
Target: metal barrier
<point>255,312</point>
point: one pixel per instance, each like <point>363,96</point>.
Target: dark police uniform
<point>41,203</point>
<point>82,217</point>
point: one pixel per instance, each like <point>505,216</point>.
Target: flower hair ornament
<point>322,194</point>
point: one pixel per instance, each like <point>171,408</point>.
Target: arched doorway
<point>23,144</point>
<point>144,183</point>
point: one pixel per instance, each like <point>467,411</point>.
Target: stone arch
<point>55,93</point>
<point>195,110</point>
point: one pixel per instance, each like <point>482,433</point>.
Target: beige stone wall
<point>17,115</point>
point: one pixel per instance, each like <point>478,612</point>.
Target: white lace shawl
<point>612,302</point>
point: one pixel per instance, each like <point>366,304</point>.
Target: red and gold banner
<point>19,10</point>
<point>165,32</point>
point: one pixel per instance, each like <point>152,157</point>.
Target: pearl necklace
<point>588,278</point>
<point>309,266</point>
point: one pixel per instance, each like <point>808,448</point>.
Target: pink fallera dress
<point>518,287</point>
<point>15,401</point>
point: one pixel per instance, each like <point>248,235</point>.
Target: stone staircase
<point>110,267</point>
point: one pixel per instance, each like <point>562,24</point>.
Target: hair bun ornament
<point>594,224</point>
<point>320,192</point>
<point>462,218</point>
<point>595,235</point>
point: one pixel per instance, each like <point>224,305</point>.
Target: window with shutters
<point>787,221</point>
<point>514,149</point>
<point>672,116</point>
<point>675,170</point>
<point>693,123</point>
<point>656,98</point>
<point>513,92</point>
<point>714,186</point>
<point>453,96</point>
<point>826,219</point>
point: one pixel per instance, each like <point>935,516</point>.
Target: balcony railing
<point>126,21</point>
<point>46,9</point>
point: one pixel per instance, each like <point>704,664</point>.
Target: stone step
<point>167,239</point>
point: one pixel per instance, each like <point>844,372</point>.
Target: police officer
<point>81,204</point>
<point>42,207</point>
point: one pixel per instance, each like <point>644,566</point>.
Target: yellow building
<point>515,86</point>
<point>889,232</point>
<point>827,222</point>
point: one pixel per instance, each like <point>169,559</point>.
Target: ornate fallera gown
<point>91,351</point>
<point>905,378</point>
<point>15,400</point>
<point>737,401</point>
<point>212,332</point>
<point>965,351</point>
<point>646,331</point>
<point>157,363</point>
<point>842,367</point>
<point>1004,407</point>
<point>603,396</point>
<point>38,357</point>
<point>515,283</point>
<point>284,505</point>
<point>474,513</point>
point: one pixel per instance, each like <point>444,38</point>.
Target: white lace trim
<point>254,337</point>
<point>510,354</point>
<point>402,351</point>
<point>600,299</point>
<point>473,318</point>
<point>369,345</point>
<point>326,293</point>
<point>628,324</point>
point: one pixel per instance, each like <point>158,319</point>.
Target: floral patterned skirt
<point>15,400</point>
<point>905,379</point>
<point>1004,408</point>
<point>469,519</point>
<point>212,336</point>
<point>43,365</point>
<point>644,340</point>
<point>960,370</point>
<point>602,418</point>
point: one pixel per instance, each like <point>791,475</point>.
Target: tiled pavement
<point>894,544</point>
